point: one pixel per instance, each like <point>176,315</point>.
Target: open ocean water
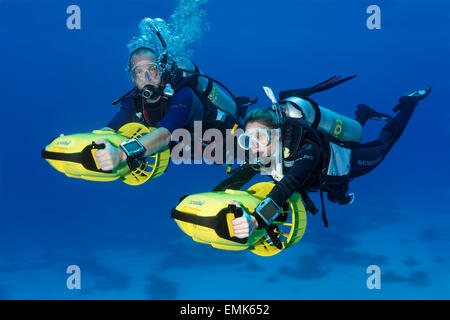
<point>56,80</point>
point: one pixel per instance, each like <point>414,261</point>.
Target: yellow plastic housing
<point>152,167</point>
<point>209,204</point>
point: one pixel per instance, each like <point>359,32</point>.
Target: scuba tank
<point>326,121</point>
<point>298,105</point>
<point>209,88</point>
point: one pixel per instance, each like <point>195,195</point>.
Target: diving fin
<point>242,104</point>
<point>306,92</point>
<point>365,113</point>
<point>245,101</point>
<point>412,98</point>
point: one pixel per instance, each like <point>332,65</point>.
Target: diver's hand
<point>243,226</point>
<point>109,157</point>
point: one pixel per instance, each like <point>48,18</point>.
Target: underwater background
<point>55,80</point>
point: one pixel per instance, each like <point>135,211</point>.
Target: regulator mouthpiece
<point>149,92</point>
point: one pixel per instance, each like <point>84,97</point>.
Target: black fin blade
<point>306,92</point>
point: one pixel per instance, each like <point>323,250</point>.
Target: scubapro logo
<point>368,163</point>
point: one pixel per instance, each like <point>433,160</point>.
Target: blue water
<point>56,80</point>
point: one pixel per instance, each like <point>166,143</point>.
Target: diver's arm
<point>124,115</point>
<point>177,116</point>
<point>110,157</point>
<point>155,140</point>
<point>267,211</point>
<point>238,179</point>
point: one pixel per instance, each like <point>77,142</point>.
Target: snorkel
<point>165,88</point>
<point>166,68</point>
<point>170,70</point>
<point>276,156</point>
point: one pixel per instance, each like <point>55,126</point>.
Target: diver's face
<point>260,137</point>
<point>144,71</point>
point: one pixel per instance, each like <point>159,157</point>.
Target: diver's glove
<point>109,157</point>
<point>243,226</point>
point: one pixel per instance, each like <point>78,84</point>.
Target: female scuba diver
<point>316,163</point>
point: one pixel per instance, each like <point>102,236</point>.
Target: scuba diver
<point>312,160</point>
<point>168,96</point>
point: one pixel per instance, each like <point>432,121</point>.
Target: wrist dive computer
<point>134,151</point>
<point>267,211</point>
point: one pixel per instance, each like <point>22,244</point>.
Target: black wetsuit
<point>369,155</point>
<point>180,111</point>
<point>304,175</point>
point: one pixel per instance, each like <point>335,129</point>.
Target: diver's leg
<point>367,156</point>
<point>394,128</point>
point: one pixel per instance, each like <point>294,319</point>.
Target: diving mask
<point>147,71</point>
<point>258,136</point>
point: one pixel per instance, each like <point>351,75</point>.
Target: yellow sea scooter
<point>206,217</point>
<point>73,155</point>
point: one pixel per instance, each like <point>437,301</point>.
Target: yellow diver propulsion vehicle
<point>73,155</point>
<point>206,217</point>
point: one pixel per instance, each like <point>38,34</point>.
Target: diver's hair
<point>139,51</point>
<point>265,116</point>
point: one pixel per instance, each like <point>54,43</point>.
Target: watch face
<point>132,147</point>
<point>269,210</point>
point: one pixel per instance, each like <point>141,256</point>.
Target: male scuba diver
<point>314,161</point>
<point>167,96</point>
